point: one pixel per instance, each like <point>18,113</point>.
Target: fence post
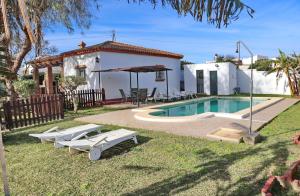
<point>93,95</point>
<point>103,94</point>
<point>7,115</point>
<point>61,102</point>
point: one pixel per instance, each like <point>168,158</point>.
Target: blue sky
<point>276,24</point>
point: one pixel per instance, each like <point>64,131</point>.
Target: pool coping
<point>144,113</point>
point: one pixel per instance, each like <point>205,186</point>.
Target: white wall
<point>112,81</point>
<point>89,61</point>
<point>226,77</point>
<point>262,83</point>
<point>247,61</point>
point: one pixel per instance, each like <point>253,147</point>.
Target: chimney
<point>82,45</point>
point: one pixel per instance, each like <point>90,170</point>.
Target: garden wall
<point>263,83</point>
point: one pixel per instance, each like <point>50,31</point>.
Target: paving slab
<point>197,128</point>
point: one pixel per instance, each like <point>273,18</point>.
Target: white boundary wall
<point>230,77</point>
<point>263,83</point>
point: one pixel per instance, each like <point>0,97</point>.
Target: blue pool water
<point>223,105</point>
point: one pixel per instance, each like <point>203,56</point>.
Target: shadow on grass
<point>148,169</point>
<point>217,169</point>
<point>119,149</point>
<point>124,147</point>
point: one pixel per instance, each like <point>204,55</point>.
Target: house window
<point>81,72</point>
<point>160,76</point>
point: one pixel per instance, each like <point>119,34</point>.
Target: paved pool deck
<point>197,128</point>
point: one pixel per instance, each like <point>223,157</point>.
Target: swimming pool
<point>215,105</point>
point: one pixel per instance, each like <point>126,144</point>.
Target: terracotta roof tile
<point>111,46</point>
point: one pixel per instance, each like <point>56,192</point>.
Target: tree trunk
<point>290,82</point>
<point>7,35</point>
<point>10,89</point>
<point>15,66</point>
<point>75,102</point>
<point>26,47</point>
<point>3,166</point>
<point>296,83</point>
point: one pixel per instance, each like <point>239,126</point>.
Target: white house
<point>221,79</point>
<point>109,55</point>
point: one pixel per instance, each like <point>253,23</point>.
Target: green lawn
<point>161,164</point>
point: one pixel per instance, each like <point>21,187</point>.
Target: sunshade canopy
<point>138,69</point>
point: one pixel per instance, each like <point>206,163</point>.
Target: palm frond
<point>217,12</point>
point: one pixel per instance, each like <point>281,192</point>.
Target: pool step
<point>227,134</point>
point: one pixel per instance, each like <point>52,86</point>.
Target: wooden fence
<point>86,98</point>
<point>32,111</point>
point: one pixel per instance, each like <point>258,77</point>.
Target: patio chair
<point>186,95</point>
<point>191,95</point>
<point>161,96</point>
<point>143,94</point>
<point>54,134</point>
<point>236,90</point>
<point>124,96</point>
<point>95,145</point>
<point>133,95</point>
<point>183,95</point>
<point>152,96</point>
<point>176,95</point>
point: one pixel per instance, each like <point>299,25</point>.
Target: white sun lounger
<point>95,145</point>
<point>55,134</point>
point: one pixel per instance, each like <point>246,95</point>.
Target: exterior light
<point>216,65</point>
<point>216,57</point>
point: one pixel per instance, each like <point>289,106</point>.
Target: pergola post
<point>130,86</point>
<point>137,85</point>
<point>62,72</point>
<point>130,83</point>
<point>36,78</point>
<point>49,80</point>
<point>99,74</point>
<point>167,81</point>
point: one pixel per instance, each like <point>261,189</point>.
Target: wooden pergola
<point>46,62</point>
<point>137,70</point>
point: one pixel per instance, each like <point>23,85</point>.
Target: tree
<point>24,22</point>
<point>22,26</point>
<point>295,68</point>
<point>227,58</point>
<point>70,84</point>
<point>263,64</point>
<point>183,63</point>
<point>217,12</point>
<point>287,64</point>
<point>4,72</point>
<point>25,87</point>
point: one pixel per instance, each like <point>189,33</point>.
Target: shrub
<point>70,84</point>
<point>24,88</point>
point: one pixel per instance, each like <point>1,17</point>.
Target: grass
<point>160,164</point>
